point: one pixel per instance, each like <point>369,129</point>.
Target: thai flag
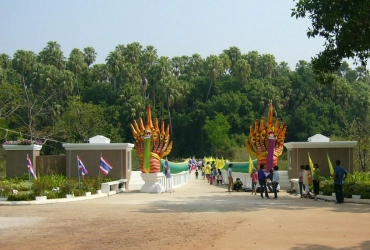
<point>30,167</point>
<point>105,167</point>
<point>81,166</point>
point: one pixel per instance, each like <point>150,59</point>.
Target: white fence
<point>247,180</point>
<point>244,177</point>
<point>176,180</point>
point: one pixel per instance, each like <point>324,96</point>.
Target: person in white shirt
<point>230,177</point>
<point>275,180</point>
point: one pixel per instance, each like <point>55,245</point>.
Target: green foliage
<point>69,185</point>
<point>5,189</point>
<point>344,25</point>
<point>217,132</point>
<point>48,96</point>
<point>355,184</point>
<point>21,197</point>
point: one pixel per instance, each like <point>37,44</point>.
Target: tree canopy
<point>208,102</point>
<point>345,25</point>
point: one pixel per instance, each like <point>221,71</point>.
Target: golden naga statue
<point>258,143</point>
<point>151,143</point>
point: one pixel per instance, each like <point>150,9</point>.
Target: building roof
<point>331,144</point>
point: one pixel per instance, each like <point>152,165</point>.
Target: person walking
<point>307,179</point>
<point>300,180</point>
<point>262,181</point>
<point>275,180</point>
<point>269,180</point>
<point>211,177</point>
<point>230,177</point>
<point>254,177</point>
<point>219,177</point>
<point>340,174</point>
<point>207,170</point>
<point>316,179</point>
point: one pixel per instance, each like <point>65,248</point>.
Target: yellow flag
<point>250,165</point>
<point>310,161</point>
<point>330,166</point>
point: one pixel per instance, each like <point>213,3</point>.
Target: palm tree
<point>52,55</point>
<point>90,55</point>
<point>267,65</point>
<point>253,59</point>
<point>23,62</point>
<point>114,64</point>
<point>133,53</point>
<point>5,61</point>
<point>214,67</point>
<point>226,64</point>
<point>76,63</point>
<point>234,55</point>
<point>196,63</point>
<point>100,72</point>
<point>160,70</point>
<point>242,70</point>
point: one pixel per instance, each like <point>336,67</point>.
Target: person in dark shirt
<point>262,181</point>
<point>340,174</point>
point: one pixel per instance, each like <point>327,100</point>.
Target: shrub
<point>79,192</point>
<point>39,186</point>
<point>21,197</point>
<point>5,190</point>
<point>68,186</point>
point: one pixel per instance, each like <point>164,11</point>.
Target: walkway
<point>198,216</point>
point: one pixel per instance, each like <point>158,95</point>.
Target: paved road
<point>196,216</point>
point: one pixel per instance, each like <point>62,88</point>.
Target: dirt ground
<point>198,216</point>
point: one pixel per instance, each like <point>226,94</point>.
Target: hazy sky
<point>173,27</point>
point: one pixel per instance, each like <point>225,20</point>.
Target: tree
<point>81,121</point>
<point>345,25</point>
<point>23,62</point>
<point>217,131</point>
<point>76,63</point>
<point>214,67</point>
<point>5,61</point>
<point>90,55</point>
<point>52,55</point>
<point>10,100</point>
<point>242,70</point>
<point>114,65</point>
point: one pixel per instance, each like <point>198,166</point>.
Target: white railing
<point>176,180</point>
<point>244,177</point>
<point>247,180</point>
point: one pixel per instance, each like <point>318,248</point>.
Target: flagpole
<point>100,163</point>
<point>78,170</point>
<point>29,178</point>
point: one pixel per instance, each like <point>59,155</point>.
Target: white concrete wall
<point>177,180</point>
<point>247,180</point>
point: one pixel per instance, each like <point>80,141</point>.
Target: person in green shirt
<point>316,179</point>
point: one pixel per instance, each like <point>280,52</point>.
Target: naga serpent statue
<point>151,143</point>
<point>261,136</point>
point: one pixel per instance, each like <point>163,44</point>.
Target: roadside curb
<point>52,201</point>
<point>346,200</point>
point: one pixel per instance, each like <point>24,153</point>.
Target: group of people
<point>210,172</point>
<point>306,178</point>
<point>271,180</point>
